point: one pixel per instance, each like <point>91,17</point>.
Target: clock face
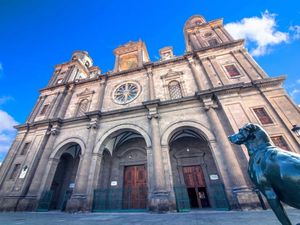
<point>126,93</point>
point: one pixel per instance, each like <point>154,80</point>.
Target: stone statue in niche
<point>274,171</point>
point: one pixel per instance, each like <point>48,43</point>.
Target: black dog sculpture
<point>274,171</point>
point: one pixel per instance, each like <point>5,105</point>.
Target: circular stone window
<point>126,93</point>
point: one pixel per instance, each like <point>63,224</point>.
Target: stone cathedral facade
<point>147,135</point>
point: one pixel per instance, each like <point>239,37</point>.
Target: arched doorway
<point>123,179</point>
<point>64,179</point>
<point>196,180</point>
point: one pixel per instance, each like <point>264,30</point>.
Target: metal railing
<point>120,199</point>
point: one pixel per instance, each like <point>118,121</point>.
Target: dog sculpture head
<point>250,133</point>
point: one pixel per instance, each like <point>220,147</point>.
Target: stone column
<point>94,175</point>
<point>34,109</point>
<point>253,63</point>
<point>100,94</point>
<point>159,200</point>
<point>241,60</point>
<point>57,102</point>
<point>196,74</point>
<point>140,58</point>
<point>211,75</point>
<point>226,33</point>
<point>40,177</point>
<point>9,159</point>
<point>37,108</point>
<point>221,35</point>
<point>79,199</point>
<point>218,69</point>
<point>69,73</point>
<point>151,84</point>
<point>200,41</point>
<point>233,168</point>
<point>194,42</point>
<point>116,69</point>
<point>66,102</point>
<point>168,175</point>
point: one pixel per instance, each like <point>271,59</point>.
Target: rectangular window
<point>263,116</point>
<point>280,142</point>
<point>44,109</point>
<point>232,71</point>
<point>25,148</point>
<point>15,171</point>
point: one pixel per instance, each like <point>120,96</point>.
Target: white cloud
<point>1,69</point>
<point>258,31</point>
<point>294,92</point>
<point>295,30</point>
<point>5,99</point>
<point>7,132</point>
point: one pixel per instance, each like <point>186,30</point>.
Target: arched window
<point>175,89</point>
<point>82,107</point>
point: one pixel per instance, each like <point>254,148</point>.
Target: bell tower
<point>200,34</point>
<point>130,55</point>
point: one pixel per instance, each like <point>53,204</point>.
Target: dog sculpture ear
<point>251,128</point>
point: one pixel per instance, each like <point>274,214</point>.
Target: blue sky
<point>36,35</point>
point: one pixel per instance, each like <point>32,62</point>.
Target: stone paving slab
<point>191,218</point>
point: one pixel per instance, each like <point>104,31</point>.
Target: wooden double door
<point>135,187</point>
<point>196,187</point>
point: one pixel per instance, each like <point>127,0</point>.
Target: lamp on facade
<point>296,130</point>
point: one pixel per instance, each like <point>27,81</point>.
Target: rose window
<point>126,93</point>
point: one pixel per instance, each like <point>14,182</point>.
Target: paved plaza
<point>191,218</point>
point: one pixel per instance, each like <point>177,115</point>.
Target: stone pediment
<point>172,74</point>
<point>87,91</point>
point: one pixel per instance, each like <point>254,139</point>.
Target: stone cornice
<point>226,89</point>
<point>146,65</point>
<point>100,77</point>
<point>213,23</point>
<point>269,82</point>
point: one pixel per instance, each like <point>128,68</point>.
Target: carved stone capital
<point>235,51</point>
<point>209,104</point>
<point>149,74</point>
<point>204,59</point>
<point>94,123</point>
<point>154,115</point>
<point>191,60</point>
<point>53,131</point>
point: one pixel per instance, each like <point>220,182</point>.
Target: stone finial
<point>166,53</point>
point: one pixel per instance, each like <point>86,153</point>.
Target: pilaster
<point>100,94</point>
<point>57,102</point>
<point>42,170</point>
<point>150,84</point>
<point>218,70</point>
<point>211,74</point>
<point>81,199</point>
<point>37,109</point>
<point>66,102</point>
<point>223,152</point>
<point>241,60</point>
<point>196,74</point>
<point>252,62</point>
<point>160,197</point>
<point>220,34</point>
